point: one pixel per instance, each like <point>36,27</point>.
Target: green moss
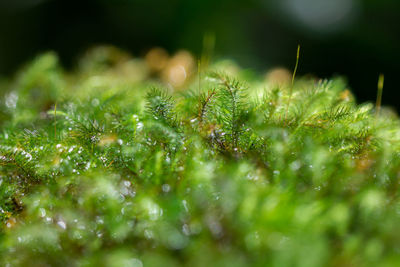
<point>126,173</point>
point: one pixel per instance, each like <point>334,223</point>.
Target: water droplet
<point>181,168</point>
<point>185,205</point>
<point>28,156</point>
<point>186,229</point>
<point>148,234</point>
<point>62,224</point>
<point>93,139</point>
<point>95,102</point>
<point>11,100</point>
<point>166,188</point>
<point>42,212</point>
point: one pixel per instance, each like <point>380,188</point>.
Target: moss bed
<point>112,165</point>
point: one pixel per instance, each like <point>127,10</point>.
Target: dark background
<point>355,38</point>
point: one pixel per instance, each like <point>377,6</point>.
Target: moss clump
<point>105,167</point>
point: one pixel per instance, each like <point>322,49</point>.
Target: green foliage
<point>126,173</point>
<point>230,110</point>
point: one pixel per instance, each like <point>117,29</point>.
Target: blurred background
<point>357,39</point>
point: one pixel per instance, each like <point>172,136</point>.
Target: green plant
<point>126,173</point>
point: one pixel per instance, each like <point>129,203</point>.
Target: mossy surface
<point>109,166</point>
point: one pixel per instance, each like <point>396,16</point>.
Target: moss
<point>109,165</point>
